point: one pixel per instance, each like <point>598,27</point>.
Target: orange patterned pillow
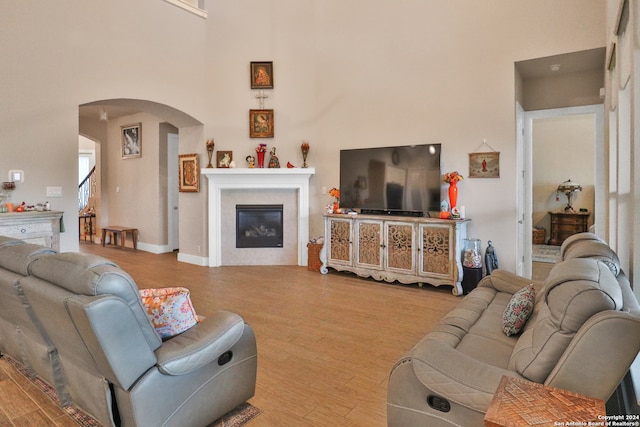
<point>170,310</point>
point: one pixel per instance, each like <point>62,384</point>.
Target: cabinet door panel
<point>436,255</point>
<point>369,239</point>
<point>400,247</point>
<point>340,241</point>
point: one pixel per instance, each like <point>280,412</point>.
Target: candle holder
<point>210,145</point>
<point>305,151</point>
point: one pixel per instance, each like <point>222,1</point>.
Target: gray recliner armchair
<point>113,363</point>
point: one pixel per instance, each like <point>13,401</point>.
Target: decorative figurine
<point>273,161</point>
<point>251,161</point>
<point>490,258</point>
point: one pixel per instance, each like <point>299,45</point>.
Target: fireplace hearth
<point>259,226</point>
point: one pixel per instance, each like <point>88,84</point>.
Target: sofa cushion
<point>575,290</point>
<point>518,310</point>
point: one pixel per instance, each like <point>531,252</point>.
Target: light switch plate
<point>16,175</point>
<point>54,191</point>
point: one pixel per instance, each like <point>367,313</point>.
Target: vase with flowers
<point>335,193</point>
<point>452,179</point>
<point>261,149</point>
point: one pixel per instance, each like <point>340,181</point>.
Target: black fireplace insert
<point>259,226</point>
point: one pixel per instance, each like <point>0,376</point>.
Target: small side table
<point>86,222</point>
<point>520,403</point>
<point>122,232</point>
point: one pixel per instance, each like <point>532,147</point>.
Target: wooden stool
<point>122,232</point>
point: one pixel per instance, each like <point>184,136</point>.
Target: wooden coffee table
<point>520,403</point>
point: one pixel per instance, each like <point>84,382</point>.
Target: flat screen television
<point>402,180</point>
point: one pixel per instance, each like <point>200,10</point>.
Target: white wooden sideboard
<point>404,249</point>
<point>41,228</point>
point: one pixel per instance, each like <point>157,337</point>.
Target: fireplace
<point>259,226</point>
<point>235,181</point>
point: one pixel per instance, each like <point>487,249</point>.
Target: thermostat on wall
<point>16,176</point>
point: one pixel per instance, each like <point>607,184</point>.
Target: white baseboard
<point>193,259</point>
<point>154,249</point>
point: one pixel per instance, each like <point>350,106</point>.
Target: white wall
<point>563,148</point>
<point>346,75</point>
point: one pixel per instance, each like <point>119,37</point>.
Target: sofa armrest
<point>456,376</point>
<point>504,281</point>
<point>200,345</point>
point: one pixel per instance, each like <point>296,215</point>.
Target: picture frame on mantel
<point>262,75</point>
<point>131,141</point>
<point>261,124</point>
<point>224,159</point>
<point>188,173</point>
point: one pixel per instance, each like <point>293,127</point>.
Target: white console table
<point>403,249</point>
<point>41,228</point>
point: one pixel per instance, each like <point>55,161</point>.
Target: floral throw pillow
<point>518,310</point>
<point>170,310</point>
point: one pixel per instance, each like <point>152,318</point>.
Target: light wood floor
<point>326,344</point>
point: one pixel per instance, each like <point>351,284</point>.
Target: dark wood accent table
<point>86,221</point>
<point>565,224</point>
<point>521,403</point>
<point>122,232</point>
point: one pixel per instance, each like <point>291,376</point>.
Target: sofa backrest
<point>92,275</point>
<point>55,283</point>
<point>577,239</point>
<point>574,291</point>
<point>19,338</point>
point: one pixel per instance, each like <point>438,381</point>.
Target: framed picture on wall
<point>188,173</point>
<point>131,141</point>
<point>261,123</point>
<point>484,165</point>
<point>261,75</point>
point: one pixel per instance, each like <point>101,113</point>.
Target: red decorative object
<point>260,159</point>
<point>453,193</point>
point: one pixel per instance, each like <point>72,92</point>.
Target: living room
<point>345,76</point>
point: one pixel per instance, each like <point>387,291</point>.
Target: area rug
<point>545,253</point>
<point>238,417</point>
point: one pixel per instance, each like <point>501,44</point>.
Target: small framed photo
<point>224,158</point>
<point>261,75</point>
<point>131,141</point>
<point>261,123</point>
<point>189,173</point>
<point>484,165</point>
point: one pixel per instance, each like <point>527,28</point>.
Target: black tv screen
<point>388,180</point>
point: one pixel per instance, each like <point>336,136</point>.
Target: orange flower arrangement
<point>449,177</point>
<point>335,193</point>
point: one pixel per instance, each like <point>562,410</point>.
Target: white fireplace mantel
<point>223,179</point>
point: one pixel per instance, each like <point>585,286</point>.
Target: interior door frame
<point>172,190</point>
<point>524,153</point>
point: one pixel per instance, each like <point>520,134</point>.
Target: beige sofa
<point>582,336</point>
<point>78,322</point>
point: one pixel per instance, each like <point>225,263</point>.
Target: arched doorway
<point>139,192</point>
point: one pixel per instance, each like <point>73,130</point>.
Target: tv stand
<point>394,212</point>
<point>403,249</point>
